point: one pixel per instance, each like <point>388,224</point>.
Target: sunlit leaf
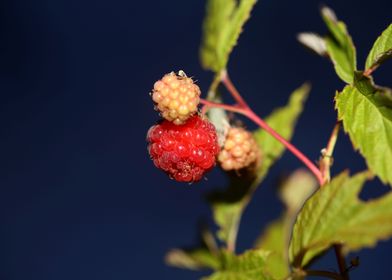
<point>218,13</point>
<point>366,112</point>
<point>340,46</point>
<point>381,50</point>
<point>335,215</point>
<point>222,27</point>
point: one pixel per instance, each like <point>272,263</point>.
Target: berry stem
<point>305,160</point>
<point>256,119</point>
<point>231,108</point>
<point>233,90</point>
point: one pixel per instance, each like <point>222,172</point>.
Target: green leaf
<point>248,266</point>
<point>195,259</point>
<point>335,215</point>
<point>366,85</point>
<point>218,13</point>
<point>381,50</point>
<point>275,238</point>
<point>340,46</point>
<point>228,205</point>
<point>222,26</point>
<point>366,112</point>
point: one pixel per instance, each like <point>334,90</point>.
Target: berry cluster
<point>184,144</point>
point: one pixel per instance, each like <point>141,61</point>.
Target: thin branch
<point>256,119</point>
<point>326,160</point>
<point>233,90</point>
<point>341,262</point>
<point>369,71</point>
<point>230,108</point>
<point>305,160</point>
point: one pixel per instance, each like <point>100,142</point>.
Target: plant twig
<point>230,108</point>
<point>326,160</point>
<point>341,261</point>
<point>233,90</point>
<point>256,119</point>
<point>369,71</point>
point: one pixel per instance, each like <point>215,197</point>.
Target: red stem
<point>233,90</point>
<point>256,119</point>
<point>231,108</point>
<point>309,164</point>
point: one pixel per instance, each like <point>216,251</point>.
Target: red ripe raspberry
<point>185,152</point>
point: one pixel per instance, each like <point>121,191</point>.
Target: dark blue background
<point>79,196</point>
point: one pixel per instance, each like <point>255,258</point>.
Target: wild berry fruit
<point>176,97</point>
<point>185,152</point>
<point>240,150</point>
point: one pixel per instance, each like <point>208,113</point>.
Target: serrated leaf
<point>218,13</point>
<point>222,27</point>
<point>340,46</point>
<point>381,50</point>
<point>248,266</point>
<point>228,205</point>
<point>335,215</point>
<point>366,85</point>
<point>366,113</point>
<point>314,42</point>
<point>194,259</point>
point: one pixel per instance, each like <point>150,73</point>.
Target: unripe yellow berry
<point>176,97</point>
<point>240,150</point>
